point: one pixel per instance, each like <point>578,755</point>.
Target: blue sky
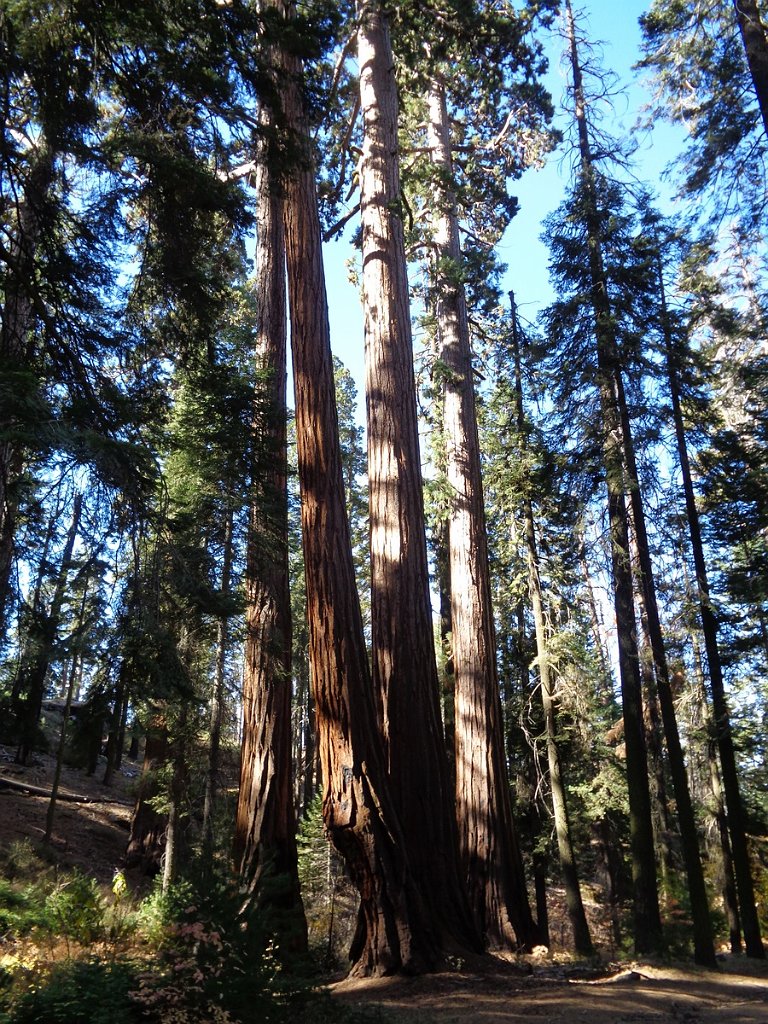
<point>614,24</point>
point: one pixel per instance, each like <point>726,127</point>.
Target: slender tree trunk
<point>540,827</point>
<point>647,921</point>
<point>32,687</point>
<point>404,667</point>
<point>393,932</point>
<point>447,675</point>
<point>69,694</point>
<point>755,39</point>
<point>747,906</point>
<point>17,345</point>
<point>703,940</point>
<point>217,691</point>
<point>119,702</point>
<point>598,632</point>
<point>657,775</point>
<point>172,854</point>
<point>265,827</point>
<point>581,938</point>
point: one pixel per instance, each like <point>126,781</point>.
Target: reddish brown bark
<point>358,810</point>
<point>265,826</point>
<point>489,846</point>
<point>404,667</point>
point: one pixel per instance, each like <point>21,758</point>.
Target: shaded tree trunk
<point>582,939</point>
<point>116,716</point>
<point>746,891</point>
<point>703,939</point>
<point>17,347</point>
<point>146,840</point>
<point>70,684</point>
<point>404,667</point>
<point>265,826</point>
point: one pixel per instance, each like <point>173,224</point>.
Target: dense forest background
<point>505,645</point>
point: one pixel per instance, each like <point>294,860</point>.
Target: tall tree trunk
<point>393,931</point>
<point>755,39</point>
<point>217,690</point>
<point>647,921</point>
<point>657,775</point>
<point>489,845</point>
<point>747,906</point>
<point>717,809</point>
<point>703,939</point>
<point>17,346</point>
<point>265,827</point>
<point>404,667</point>
<point>540,827</point>
<point>582,940</point>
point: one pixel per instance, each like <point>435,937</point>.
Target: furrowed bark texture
<point>404,667</point>
<point>357,807</point>
<point>265,825</point>
<point>488,841</point>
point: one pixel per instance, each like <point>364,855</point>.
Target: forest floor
<point>91,834</point>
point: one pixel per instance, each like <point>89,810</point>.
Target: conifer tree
<point>393,933</point>
<point>265,826</point>
<point>404,667</point>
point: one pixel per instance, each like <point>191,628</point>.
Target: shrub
<point>74,992</point>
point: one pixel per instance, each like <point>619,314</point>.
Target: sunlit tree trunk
<point>358,810</point>
<point>404,667</point>
<point>489,845</point>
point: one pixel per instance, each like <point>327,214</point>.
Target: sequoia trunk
<point>404,666</point>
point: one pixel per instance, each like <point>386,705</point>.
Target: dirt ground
<point>88,835</point>
<point>631,994</point>
<point>93,835</point>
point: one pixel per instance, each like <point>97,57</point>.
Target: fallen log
<point>25,787</point>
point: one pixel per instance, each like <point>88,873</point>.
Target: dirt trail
<point>736,994</point>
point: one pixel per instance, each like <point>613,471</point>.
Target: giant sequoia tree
<point>404,667</point>
<point>492,860</point>
<point>393,932</point>
<point>265,826</point>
